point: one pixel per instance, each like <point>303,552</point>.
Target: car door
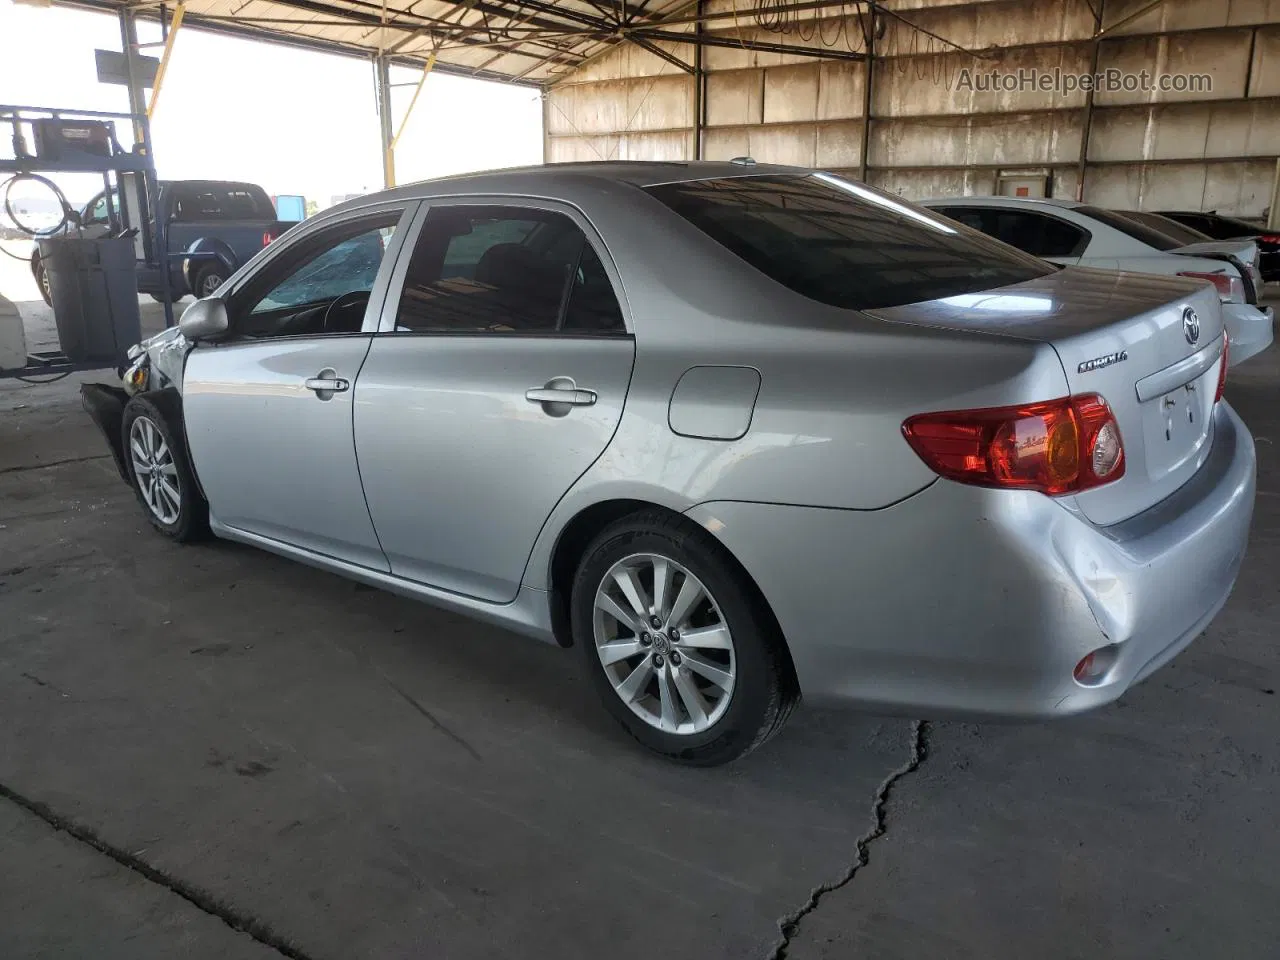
<point>495,381</point>
<point>268,409</point>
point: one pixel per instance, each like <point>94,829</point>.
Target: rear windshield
<point>1132,228</point>
<point>1175,230</point>
<point>845,244</point>
<point>221,201</point>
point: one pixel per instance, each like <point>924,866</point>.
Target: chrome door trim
<point>396,286</point>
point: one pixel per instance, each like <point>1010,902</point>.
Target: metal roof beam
<point>715,40</point>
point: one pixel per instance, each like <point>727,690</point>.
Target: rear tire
<point>155,456</point>
<point>703,685</point>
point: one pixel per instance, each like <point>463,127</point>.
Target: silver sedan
<point>738,433</point>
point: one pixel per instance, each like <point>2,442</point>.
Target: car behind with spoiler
<point>738,433</point>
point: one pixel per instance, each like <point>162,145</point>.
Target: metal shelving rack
<point>121,219</point>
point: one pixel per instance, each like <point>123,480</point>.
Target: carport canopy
<point>524,41</point>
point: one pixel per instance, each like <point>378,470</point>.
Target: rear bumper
<point>1249,328</point>
<point>966,601</point>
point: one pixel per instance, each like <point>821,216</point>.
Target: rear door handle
<point>573,396</point>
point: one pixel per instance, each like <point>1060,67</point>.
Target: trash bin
<point>94,289</point>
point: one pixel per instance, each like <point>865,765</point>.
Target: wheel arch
<point>168,400</point>
<point>584,526</point>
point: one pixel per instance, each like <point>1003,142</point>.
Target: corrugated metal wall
<point>933,133</point>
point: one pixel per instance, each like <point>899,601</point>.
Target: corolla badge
<point>1097,363</point>
<point>1190,325</point>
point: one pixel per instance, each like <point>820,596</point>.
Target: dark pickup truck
<point>215,224</point>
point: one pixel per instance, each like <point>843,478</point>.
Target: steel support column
<point>382,69</point>
<point>868,76</point>
<point>137,95</point>
<point>699,88</point>
<point>1086,116</point>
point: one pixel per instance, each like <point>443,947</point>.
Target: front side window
<point>845,244</point>
<point>482,269</point>
<point>318,285</point>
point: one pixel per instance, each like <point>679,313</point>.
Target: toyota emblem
<point>1190,325</point>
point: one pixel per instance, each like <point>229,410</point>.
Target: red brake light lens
<point>268,236</point>
<point>1228,287</point>
<point>1057,447</point>
<point>1222,369</point>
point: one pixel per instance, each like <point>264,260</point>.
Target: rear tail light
<point>1222,369</point>
<point>1228,287</point>
<point>268,236</point>
<point>1057,447</point>
<point>1270,238</point>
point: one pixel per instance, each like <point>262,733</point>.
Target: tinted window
<point>1140,232</point>
<point>1219,227</point>
<point>1171,228</point>
<point>845,244</point>
<point>1037,233</point>
<point>505,270</point>
<point>335,268</point>
<point>221,201</point>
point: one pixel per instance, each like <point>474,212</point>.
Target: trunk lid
<point>1243,254</point>
<point>1149,345</point>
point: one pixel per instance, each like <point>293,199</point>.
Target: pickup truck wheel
<point>159,297</point>
<point>155,455</point>
<point>208,279</point>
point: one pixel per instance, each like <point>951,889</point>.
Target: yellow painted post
<point>174,25</point>
<point>404,121</point>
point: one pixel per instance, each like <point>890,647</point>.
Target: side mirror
<point>204,319</point>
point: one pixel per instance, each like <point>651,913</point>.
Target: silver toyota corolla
<point>738,433</point>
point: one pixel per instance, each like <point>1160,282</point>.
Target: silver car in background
<point>738,433</point>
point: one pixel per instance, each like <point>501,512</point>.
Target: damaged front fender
<point>105,404</point>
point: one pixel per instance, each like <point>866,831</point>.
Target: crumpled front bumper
<point>968,601</point>
<point>105,404</point>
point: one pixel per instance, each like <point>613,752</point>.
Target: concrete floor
<point>211,752</point>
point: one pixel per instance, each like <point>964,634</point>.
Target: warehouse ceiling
<point>526,41</point>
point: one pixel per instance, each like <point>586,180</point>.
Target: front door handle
<point>573,397</point>
<point>326,383</point>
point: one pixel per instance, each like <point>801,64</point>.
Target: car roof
<point>1003,201</point>
<point>567,178</point>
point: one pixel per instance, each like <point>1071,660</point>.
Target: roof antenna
<point>743,161</point>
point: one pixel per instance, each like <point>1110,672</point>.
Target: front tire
<point>677,643</point>
<point>155,456</point>
<point>42,281</point>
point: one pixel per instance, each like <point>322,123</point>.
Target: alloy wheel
<point>154,470</point>
<point>664,644</point>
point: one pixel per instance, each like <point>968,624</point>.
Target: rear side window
<point>843,243</point>
<point>1038,234</point>
<point>505,270</point>
<point>1171,228</point>
<point>221,201</point>
<point>1131,228</point>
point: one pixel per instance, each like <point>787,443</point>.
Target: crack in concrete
<point>789,925</point>
<point>432,718</point>
<point>23,468</point>
<point>202,901</point>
